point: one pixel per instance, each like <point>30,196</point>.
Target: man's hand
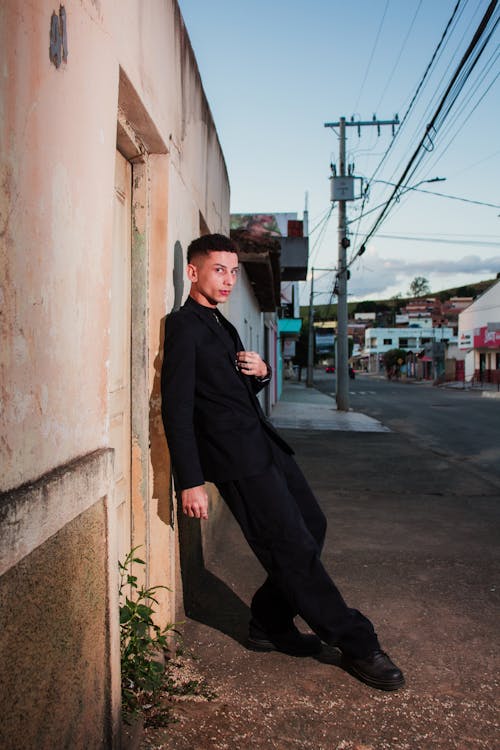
<point>195,502</point>
<point>251,363</point>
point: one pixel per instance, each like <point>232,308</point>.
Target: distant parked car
<point>330,368</point>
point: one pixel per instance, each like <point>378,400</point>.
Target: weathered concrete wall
<point>58,140</point>
<point>55,687</point>
<point>46,616</point>
<point>57,166</point>
<point>130,80</point>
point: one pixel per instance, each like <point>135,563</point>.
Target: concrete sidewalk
<point>413,542</point>
<point>309,409</point>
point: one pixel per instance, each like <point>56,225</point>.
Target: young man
<point>217,431</point>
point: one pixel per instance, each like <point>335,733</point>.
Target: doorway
<point>119,393</point>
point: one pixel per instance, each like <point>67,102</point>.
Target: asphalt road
<point>461,425</point>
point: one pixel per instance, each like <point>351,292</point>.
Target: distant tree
<point>366,306</point>
<point>465,291</point>
<point>419,287</point>
<point>393,359</point>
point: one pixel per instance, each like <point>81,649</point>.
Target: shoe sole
<point>371,681</point>
<point>265,646</point>
<point>260,644</point>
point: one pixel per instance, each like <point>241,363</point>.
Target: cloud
<point>375,275</point>
<point>467,264</point>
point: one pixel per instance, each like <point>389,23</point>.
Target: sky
<point>275,72</point>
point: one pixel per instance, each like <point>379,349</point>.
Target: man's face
<point>212,277</point>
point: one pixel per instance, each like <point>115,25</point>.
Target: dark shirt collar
<point>201,308</point>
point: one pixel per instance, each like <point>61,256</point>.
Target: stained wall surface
<point>130,83</point>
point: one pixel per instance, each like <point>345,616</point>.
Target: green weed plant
<point>143,644</point>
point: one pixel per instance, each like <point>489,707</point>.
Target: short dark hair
<point>209,243</point>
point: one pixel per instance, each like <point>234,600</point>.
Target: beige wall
<point>58,138</point>
<point>129,61</point>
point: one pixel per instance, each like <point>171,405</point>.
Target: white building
<point>413,338</point>
<point>479,336</point>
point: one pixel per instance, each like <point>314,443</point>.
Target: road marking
<point>356,393</point>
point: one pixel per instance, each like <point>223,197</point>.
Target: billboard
<point>263,225</point>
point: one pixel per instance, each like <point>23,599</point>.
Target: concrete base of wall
<point>57,650</point>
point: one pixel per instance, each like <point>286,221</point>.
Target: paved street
<point>413,542</point>
<point>458,424</point>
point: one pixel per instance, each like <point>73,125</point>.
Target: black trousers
<point>285,527</point>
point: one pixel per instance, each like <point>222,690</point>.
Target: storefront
<point>479,337</point>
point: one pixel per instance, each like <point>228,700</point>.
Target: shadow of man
<point>206,598</point>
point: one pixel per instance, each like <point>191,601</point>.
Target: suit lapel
<point>239,347</point>
<point>224,335</point>
<point>217,328</point>
<point>211,321</point>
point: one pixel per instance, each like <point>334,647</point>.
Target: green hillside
<point>329,312</point>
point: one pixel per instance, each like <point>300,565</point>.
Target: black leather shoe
<point>291,641</point>
<point>376,670</point>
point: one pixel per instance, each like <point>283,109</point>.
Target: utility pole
<point>310,338</point>
<point>342,342</point>
<point>346,183</point>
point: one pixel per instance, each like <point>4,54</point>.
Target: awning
<point>289,326</point>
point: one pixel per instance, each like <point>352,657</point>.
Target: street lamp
<point>413,187</point>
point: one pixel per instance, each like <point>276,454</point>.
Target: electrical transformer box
<point>342,188</point>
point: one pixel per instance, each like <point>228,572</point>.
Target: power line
<point>437,87</point>
<point>372,54</point>
<point>414,238</point>
<point>429,192</point>
<point>401,50</point>
<point>319,239</point>
<point>455,92</point>
<point>477,163</point>
<point>419,87</point>
<point>470,110</point>
<point>426,143</point>
<point>323,217</point>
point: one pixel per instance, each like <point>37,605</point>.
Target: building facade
<point>479,337</point>
<point>412,339</point>
<point>110,165</point>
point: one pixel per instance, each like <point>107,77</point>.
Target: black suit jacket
<point>215,427</point>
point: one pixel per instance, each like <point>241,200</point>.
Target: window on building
<point>373,343</point>
<point>387,342</point>
<point>403,343</point>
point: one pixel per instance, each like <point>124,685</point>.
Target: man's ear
<point>192,272</point>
